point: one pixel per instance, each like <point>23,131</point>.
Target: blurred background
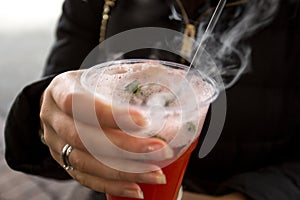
<point>27,30</point>
<point>26,34</point>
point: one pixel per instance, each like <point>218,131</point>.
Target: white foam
<point>158,84</point>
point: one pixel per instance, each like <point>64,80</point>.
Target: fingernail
<point>166,151</point>
<point>155,178</point>
<point>134,194</point>
<point>140,194</point>
<point>153,147</point>
<point>140,121</point>
<point>161,179</point>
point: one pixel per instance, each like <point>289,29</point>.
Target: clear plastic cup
<point>175,105</point>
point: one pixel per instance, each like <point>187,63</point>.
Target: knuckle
<point>43,115</point>
<point>62,95</point>
<point>66,100</point>
<point>121,176</point>
<point>43,112</point>
<point>67,130</point>
<point>79,178</point>
<point>74,139</point>
<point>103,187</point>
<point>57,126</point>
<point>45,97</point>
<point>83,181</point>
<point>86,182</point>
<point>76,162</point>
<point>115,175</point>
<point>46,136</point>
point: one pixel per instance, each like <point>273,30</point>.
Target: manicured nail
<point>155,178</point>
<point>161,179</point>
<point>134,194</point>
<point>167,152</point>
<point>139,120</point>
<point>140,194</point>
<point>153,147</point>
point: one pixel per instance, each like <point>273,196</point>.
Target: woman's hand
<point>58,123</point>
<point>231,196</point>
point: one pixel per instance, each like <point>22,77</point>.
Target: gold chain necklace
<point>190,28</point>
<point>189,31</point>
<point>108,5</point>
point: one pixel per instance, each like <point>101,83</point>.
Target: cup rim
<point>205,78</point>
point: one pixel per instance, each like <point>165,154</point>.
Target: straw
<point>211,25</point>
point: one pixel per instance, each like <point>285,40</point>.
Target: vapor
<point>226,46</point>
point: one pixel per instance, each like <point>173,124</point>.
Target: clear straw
<point>211,25</point>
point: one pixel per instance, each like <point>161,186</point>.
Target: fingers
<point>62,125</point>
<point>116,188</point>
<point>93,174</point>
<point>58,102</point>
<point>57,122</point>
<point>100,140</point>
<point>103,184</point>
<point>74,100</point>
<point>84,162</point>
<point>92,110</point>
<point>122,145</point>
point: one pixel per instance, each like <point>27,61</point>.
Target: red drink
<point>175,104</point>
<point>174,174</point>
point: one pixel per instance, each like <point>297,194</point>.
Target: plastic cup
<point>184,116</point>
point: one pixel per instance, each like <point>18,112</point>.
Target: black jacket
<point>258,151</point>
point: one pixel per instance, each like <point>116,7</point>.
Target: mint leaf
<point>191,127</point>
<point>133,87</point>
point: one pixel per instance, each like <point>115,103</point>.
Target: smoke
<point>227,55</point>
<point>226,46</point>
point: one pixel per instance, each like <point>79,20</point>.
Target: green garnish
<point>191,127</point>
<point>167,103</point>
<point>133,87</point>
